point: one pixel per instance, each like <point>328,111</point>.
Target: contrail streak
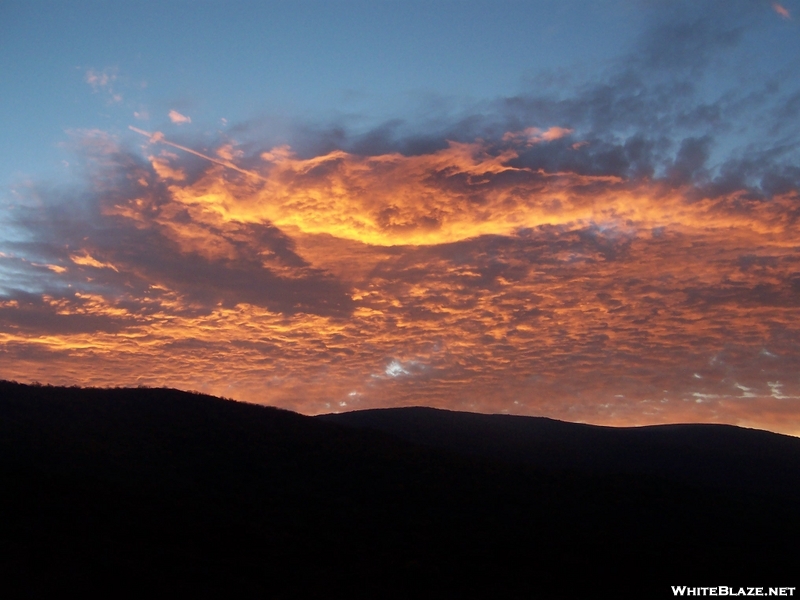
<point>159,137</point>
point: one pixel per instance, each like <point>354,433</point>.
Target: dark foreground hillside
<point>142,492</point>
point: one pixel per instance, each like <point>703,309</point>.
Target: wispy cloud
<point>534,135</point>
<point>103,81</point>
<point>781,10</point>
<point>100,79</point>
<point>88,260</point>
<point>178,118</point>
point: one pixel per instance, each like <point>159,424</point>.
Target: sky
<point>584,211</point>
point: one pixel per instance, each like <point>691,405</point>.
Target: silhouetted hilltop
<point>716,456</point>
<point>136,492</point>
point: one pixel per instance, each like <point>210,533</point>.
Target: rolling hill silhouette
<point>134,492</point>
<point>720,457</point>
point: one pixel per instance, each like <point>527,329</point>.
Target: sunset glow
<point>622,251</point>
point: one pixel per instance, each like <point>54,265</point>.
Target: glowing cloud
<point>623,253</point>
<point>511,284</point>
<point>88,260</point>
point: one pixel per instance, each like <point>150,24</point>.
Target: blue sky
<point>290,65</point>
<point>281,63</point>
<point>582,210</point>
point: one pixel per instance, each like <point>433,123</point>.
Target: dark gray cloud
<point>31,313</point>
<point>259,265</point>
<point>674,109</point>
<point>688,36</point>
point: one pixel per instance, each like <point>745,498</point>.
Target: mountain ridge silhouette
<point>130,492</point>
<point>722,456</point>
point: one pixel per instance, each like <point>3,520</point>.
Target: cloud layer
<point>620,251</point>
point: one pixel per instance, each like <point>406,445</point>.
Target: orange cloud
<point>462,278</point>
<point>88,260</point>
<point>457,193</point>
<point>162,167</point>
